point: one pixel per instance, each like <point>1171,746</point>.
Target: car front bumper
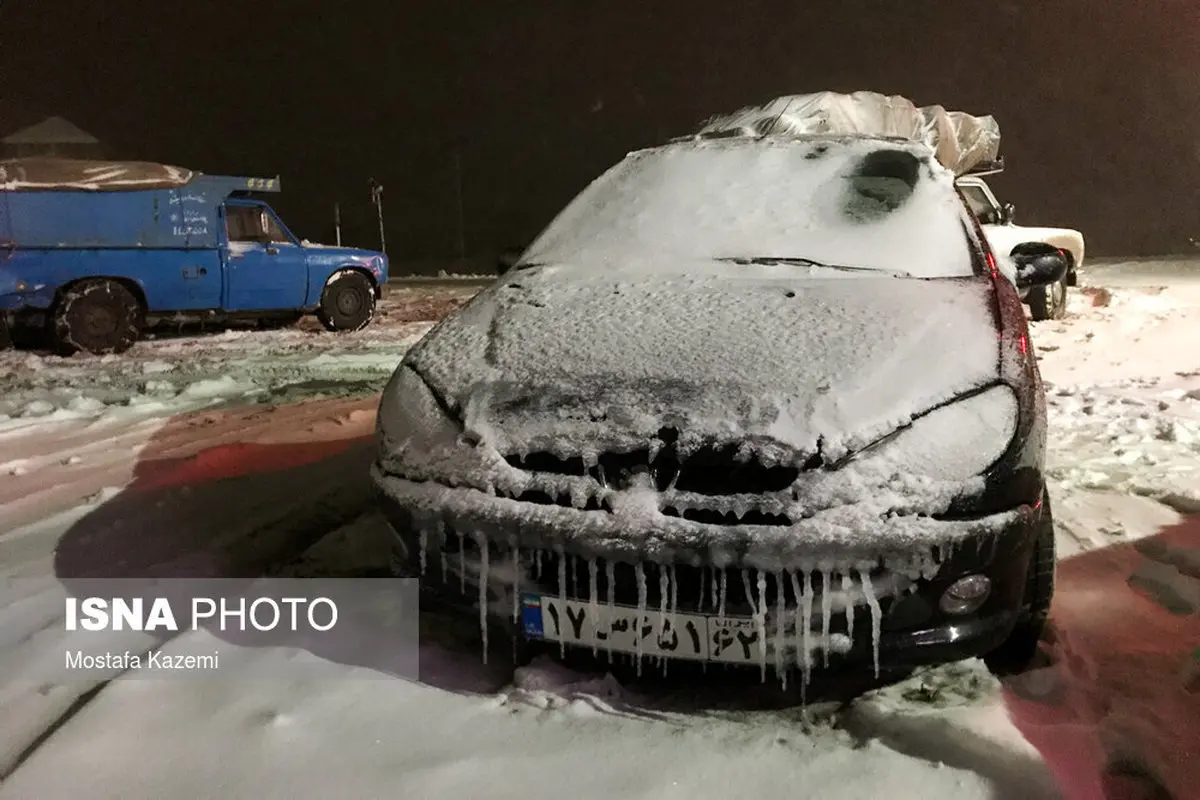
<point>435,526</point>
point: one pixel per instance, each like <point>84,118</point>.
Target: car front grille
<point>538,497</point>
<point>713,471</point>
<point>708,516</point>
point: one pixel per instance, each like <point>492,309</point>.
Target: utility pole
<point>377,199</point>
<point>337,223</point>
<point>462,226</point>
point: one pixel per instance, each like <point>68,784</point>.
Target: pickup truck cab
<point>93,253</point>
<point>1003,235</point>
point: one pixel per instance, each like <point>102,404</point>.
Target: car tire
<point>348,302</point>
<point>97,316</point>
<point>1020,649</point>
<point>1048,302</point>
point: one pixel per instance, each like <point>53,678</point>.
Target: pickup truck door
<point>266,269</point>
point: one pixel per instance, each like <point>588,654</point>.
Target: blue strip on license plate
<point>531,616</point>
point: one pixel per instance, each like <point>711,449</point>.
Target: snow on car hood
<point>572,362</point>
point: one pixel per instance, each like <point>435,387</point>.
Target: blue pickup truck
<point>92,253</point>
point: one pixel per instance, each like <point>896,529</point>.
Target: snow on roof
<point>68,173</point>
<point>961,141</point>
<point>847,201</point>
<point>54,130</point>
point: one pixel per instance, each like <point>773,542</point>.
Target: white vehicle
<point>1045,302</point>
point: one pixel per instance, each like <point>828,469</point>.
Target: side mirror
<point>1039,264</point>
<point>1008,213</point>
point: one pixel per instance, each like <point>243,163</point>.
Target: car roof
<point>739,141</point>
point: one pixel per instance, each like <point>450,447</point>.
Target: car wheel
<point>97,316</point>
<point>1021,647</point>
<point>348,302</point>
<point>1048,302</point>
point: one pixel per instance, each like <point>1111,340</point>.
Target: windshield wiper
<point>808,262</point>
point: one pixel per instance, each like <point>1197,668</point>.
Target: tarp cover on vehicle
<point>960,141</point>
<point>74,174</point>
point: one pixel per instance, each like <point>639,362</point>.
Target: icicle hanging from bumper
<point>562,593</point>
<point>593,603</point>
<point>876,615</point>
<point>640,572</point>
<point>483,592</point>
<point>826,613</point>
<point>516,590</point>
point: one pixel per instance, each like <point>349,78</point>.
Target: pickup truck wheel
<point>1048,302</point>
<point>97,316</point>
<point>348,302</point>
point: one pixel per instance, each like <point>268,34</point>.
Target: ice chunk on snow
<point>83,404</point>
<point>216,387</point>
<point>37,408</point>
<point>157,367</point>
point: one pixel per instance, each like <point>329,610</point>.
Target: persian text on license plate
<point>647,631</point>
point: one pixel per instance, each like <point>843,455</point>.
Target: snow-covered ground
<point>170,374</point>
<point>1123,392</point>
<point>250,451</point>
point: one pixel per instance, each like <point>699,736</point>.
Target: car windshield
<point>853,205</point>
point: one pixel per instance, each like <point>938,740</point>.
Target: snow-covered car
<point>747,400</point>
<point>1004,235</point>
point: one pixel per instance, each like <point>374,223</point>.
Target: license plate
<point>624,629</point>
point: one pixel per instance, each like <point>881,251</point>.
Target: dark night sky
<point>1098,100</point>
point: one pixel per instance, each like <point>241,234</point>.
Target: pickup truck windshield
<point>981,205</point>
<point>863,203</point>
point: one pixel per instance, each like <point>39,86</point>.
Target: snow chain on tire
<point>97,316</point>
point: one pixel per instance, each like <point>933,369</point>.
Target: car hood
<point>1003,238</point>
<point>332,250</point>
<point>552,358</point>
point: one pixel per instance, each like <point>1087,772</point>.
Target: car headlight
<point>416,434</point>
<point>956,442</point>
